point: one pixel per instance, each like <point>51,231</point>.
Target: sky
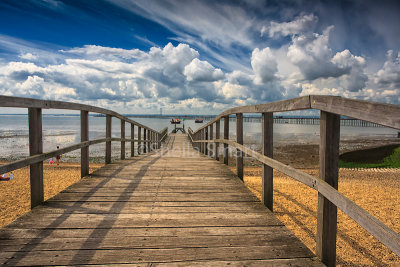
<point>198,57</point>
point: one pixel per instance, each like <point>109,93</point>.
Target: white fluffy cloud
<point>264,65</point>
<point>389,76</point>
<point>356,79</point>
<point>313,56</point>
<point>301,24</point>
<point>202,71</point>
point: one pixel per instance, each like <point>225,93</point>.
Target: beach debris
<point>4,177</point>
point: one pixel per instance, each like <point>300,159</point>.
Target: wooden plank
<point>140,255</point>
<point>151,209</point>
<point>84,138</point>
<point>36,147</point>
<point>298,103</point>
<point>41,157</point>
<point>8,233</point>
<point>239,140</point>
<point>384,234</point>
<point>267,135</point>
<point>122,137</point>
<point>226,136</point>
<point>273,238</point>
<point>22,102</point>
<point>329,172</point>
<point>379,113</point>
<point>311,262</point>
<point>108,135</point>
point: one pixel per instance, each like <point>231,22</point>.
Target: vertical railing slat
<point>206,138</point>
<point>122,141</point>
<point>267,150</point>
<point>84,137</point>
<point>139,144</point>
<point>239,140</point>
<point>145,140</point>
<point>226,136</point>
<point>217,136</point>
<point>36,147</point>
<point>328,171</point>
<point>212,145</point>
<point>132,142</point>
<point>108,135</point>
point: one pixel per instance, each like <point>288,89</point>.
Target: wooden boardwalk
<point>171,207</point>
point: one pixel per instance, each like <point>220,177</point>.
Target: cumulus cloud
<point>356,79</point>
<point>389,75</point>
<point>313,56</point>
<point>202,71</point>
<point>301,24</point>
<point>264,65</point>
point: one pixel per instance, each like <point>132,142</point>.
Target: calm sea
<point>65,130</point>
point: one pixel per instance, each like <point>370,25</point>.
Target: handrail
<point>375,227</point>
<point>51,154</point>
<point>373,111</point>
<point>329,199</point>
<point>35,161</point>
<point>163,133</point>
<point>23,102</point>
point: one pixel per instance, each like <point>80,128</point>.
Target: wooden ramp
<point>172,207</point>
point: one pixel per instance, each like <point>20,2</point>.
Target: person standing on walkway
<point>58,157</point>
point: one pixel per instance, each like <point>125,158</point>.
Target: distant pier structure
<point>345,121</point>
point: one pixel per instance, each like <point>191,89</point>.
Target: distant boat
<point>177,121</point>
<point>198,120</point>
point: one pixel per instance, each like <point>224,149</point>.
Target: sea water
<point>64,130</point>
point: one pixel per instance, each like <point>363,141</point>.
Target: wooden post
<point>139,144</point>
<point>226,136</point>
<point>122,137</point>
<point>152,141</point>
<point>132,142</point>
<point>145,140</point>
<point>108,135</point>
<point>217,136</point>
<point>239,140</point>
<point>36,147</point>
<point>267,150</point>
<point>206,138</point>
<point>328,171</point>
<point>84,137</point>
<point>211,134</point>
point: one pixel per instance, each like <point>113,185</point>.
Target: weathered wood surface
<point>171,207</point>
<point>22,102</point>
<point>382,232</point>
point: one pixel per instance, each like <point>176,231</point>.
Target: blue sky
<point>198,56</point>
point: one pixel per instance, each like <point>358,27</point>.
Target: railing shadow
<point>35,241</point>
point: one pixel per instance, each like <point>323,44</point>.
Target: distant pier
<point>277,120</point>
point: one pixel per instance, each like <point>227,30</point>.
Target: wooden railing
<point>329,199</point>
<point>151,139</point>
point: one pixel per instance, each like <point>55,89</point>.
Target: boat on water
<point>176,121</point>
<point>198,120</point>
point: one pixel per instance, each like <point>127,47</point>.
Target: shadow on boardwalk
<point>160,208</point>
